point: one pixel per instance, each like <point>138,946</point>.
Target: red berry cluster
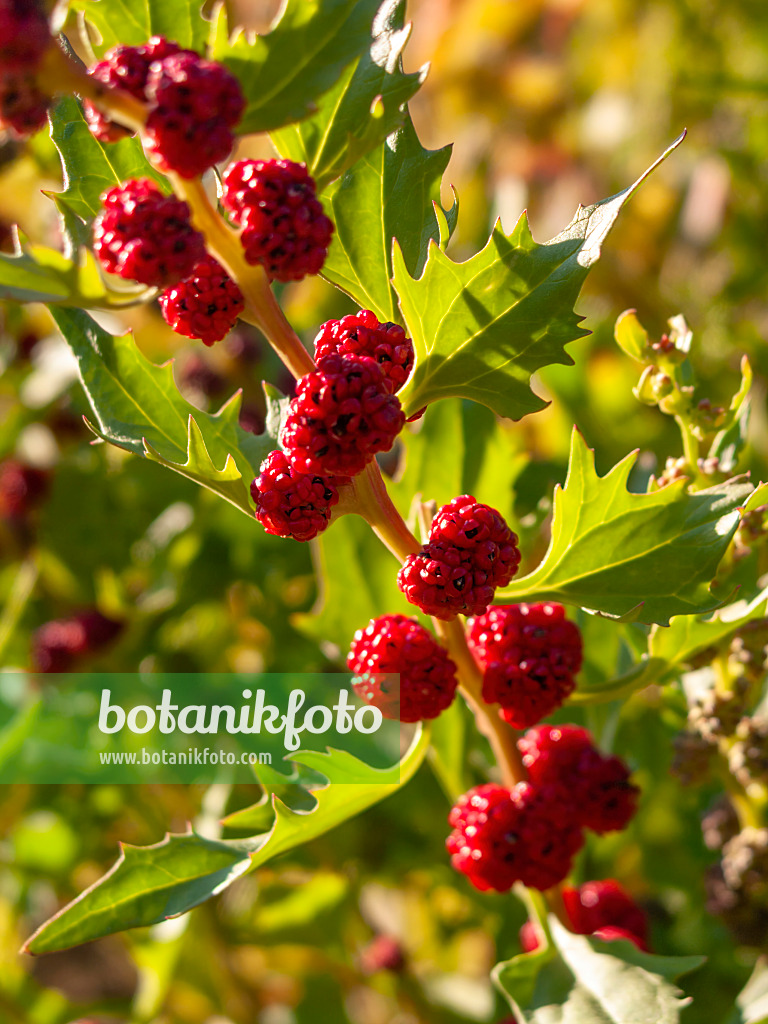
<point>531,832</point>
<point>529,654</point>
<point>564,755</point>
<point>284,227</point>
<point>343,413</point>
<point>394,645</point>
<point>58,646</point>
<point>361,334</point>
<point>469,553</point>
<point>22,489</point>
<point>24,38</point>
<point>290,503</point>
<point>204,305</point>
<point>603,909</point>
<point>146,236</point>
<point>193,103</point>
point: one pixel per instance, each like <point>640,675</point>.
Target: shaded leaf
<point>362,108</point>
<point>134,21</point>
<point>481,328</point>
<point>393,192</point>
<point>648,555</point>
<point>138,407</point>
<point>752,1002</point>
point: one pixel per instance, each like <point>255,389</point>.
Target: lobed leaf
<point>647,556</point>
<point>138,407</point>
<point>580,980</point>
<point>481,328</point>
<point>364,106</point>
<point>392,193</point>
<point>133,21</point>
<point>150,884</point>
<point>284,73</point>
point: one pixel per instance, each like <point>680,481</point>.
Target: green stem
<point>373,503</point>
<point>58,74</point>
<point>21,591</point>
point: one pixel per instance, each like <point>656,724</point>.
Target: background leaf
<point>361,109</point>
<point>284,73</point>
<point>481,328</point>
<point>138,407</point>
<point>390,193</point>
<point>612,551</point>
<point>133,21</point>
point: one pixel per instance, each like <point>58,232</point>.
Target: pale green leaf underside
<point>138,407</point>
<point>581,980</point>
<point>134,21</point>
<point>150,884</point>
<point>650,556</point>
<point>361,109</point>
<point>481,328</point>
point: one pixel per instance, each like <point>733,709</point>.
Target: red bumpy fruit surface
<point>204,305</point>
<point>395,644</point>
<point>290,503</point>
<point>603,909</point>
<point>470,552</point>
<point>564,756</point>
<point>127,68</point>
<point>343,413</point>
<point>530,654</point>
<point>502,836</point>
<point>146,236</point>
<point>24,38</point>
<point>195,105</point>
<point>361,334</point>
<point>58,645</point>
<point>284,227</point>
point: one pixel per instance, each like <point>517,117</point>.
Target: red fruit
<point>146,236</point>
<point>23,106</point>
<point>384,953</point>
<point>529,937</point>
<point>195,105</point>
<point>343,413</point>
<point>290,503</point>
<point>523,835</point>
<point>604,908</point>
<point>284,227</point>
<point>395,644</point>
<point>530,654</point>
<point>58,645</point>
<point>126,68</point>
<point>22,488</point>
<point>565,756</point>
<point>204,305</point>
<point>443,581</point>
<point>24,35</point>
<point>361,334</point>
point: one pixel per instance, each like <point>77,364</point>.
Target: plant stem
<point>374,504</point>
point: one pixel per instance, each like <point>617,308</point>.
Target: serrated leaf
<point>689,635</point>
<point>580,980</point>
<point>147,884</point>
<point>150,884</point>
<point>138,407</point>
<point>481,328</point>
<point>89,166</point>
<point>612,550</point>
<point>36,273</point>
<point>134,21</point>
<point>285,72</point>
<point>361,109</point>
<point>393,192</point>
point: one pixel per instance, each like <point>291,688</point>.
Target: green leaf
<point>138,407</point>
<point>284,73</point>
<point>690,635</point>
<point>580,980</point>
<point>447,752</point>
<point>393,192</point>
<point>632,337</point>
<point>35,273</point>
<point>481,328</point>
<point>752,1001</point>
<point>649,556</point>
<point>134,21</point>
<point>362,108</point>
<point>150,884</point>
<point>89,166</point>
<point>147,884</point>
